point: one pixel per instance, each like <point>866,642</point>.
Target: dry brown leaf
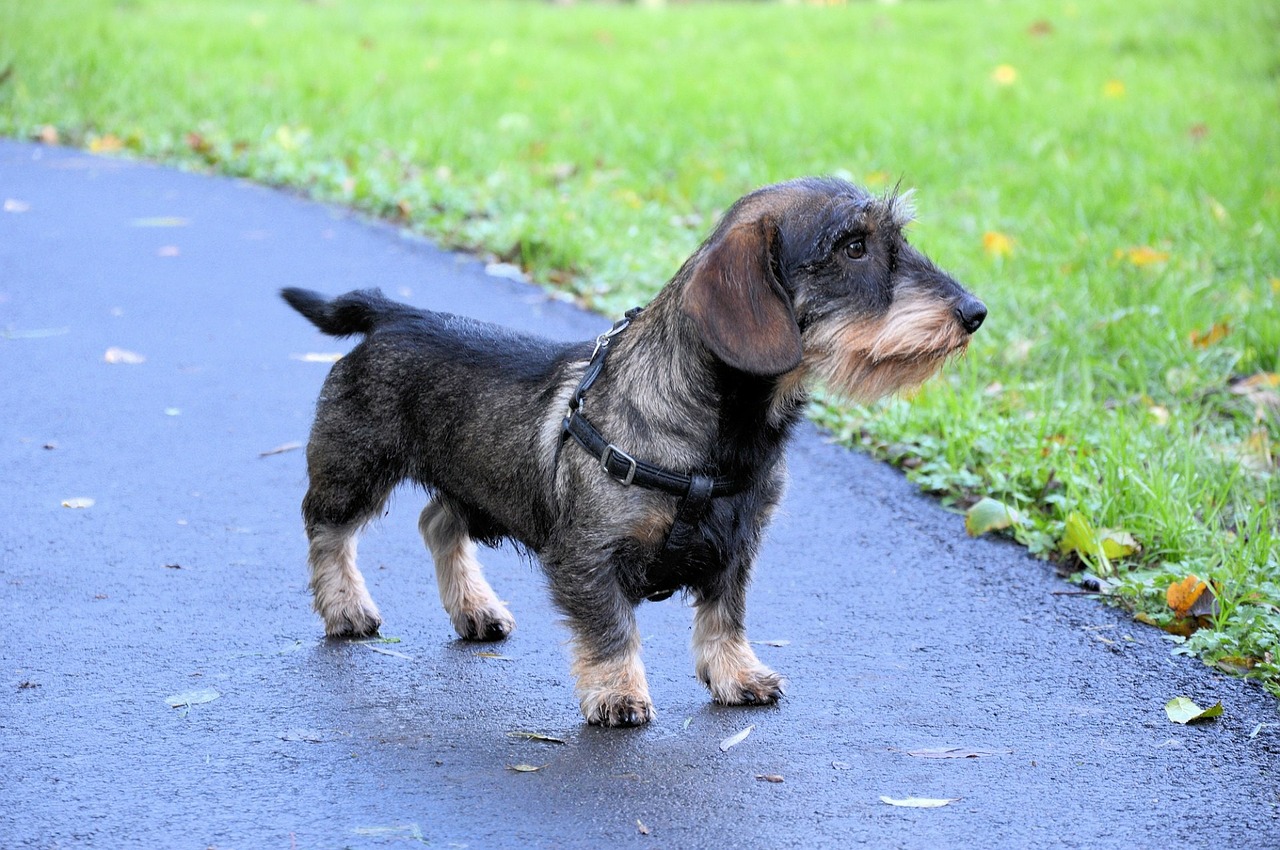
<point>769,777</point>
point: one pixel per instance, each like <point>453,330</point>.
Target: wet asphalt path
<point>188,574</point>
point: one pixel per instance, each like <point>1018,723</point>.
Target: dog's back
<point>420,388</point>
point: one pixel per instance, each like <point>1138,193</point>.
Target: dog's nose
<point>970,311</point>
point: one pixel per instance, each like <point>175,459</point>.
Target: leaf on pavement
<point>535,736</point>
<point>121,355</point>
<point>769,777</point>
<point>919,802</point>
<point>189,698</point>
<point>734,740</point>
<point>78,503</point>
<point>160,221</point>
<point>1183,710</point>
<point>526,768</point>
<point>644,830</point>
<point>955,753</point>
<point>281,449</point>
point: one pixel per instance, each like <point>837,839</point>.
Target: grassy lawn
<point>1106,176</point>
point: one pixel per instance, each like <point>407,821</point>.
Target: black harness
<point>696,491</point>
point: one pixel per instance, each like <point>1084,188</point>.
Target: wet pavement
<point>187,576</point>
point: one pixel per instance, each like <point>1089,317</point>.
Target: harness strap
<point>696,491</point>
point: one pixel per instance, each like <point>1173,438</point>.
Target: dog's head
<point>815,277</point>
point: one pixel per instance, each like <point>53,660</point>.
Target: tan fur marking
<point>727,664</point>
<point>613,692</point>
<point>867,359</point>
<point>473,607</point>
<point>338,591</point>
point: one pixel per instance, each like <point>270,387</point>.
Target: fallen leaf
<point>281,449</point>
<point>35,333</point>
<point>110,143</point>
<point>954,753</point>
<point>1262,389</point>
<point>310,736</point>
<point>1117,544</point>
<point>160,221</point>
<point>735,740</point>
<point>997,244</point>
<point>120,355</point>
<point>1217,332</point>
<point>1182,710</point>
<point>13,205</point>
<point>382,651</point>
<point>190,698</point>
<point>535,736</point>
<point>769,777</point>
<point>525,768</point>
<point>644,830</point>
<point>1004,75</point>
<point>78,503</point>
<point>1142,255</point>
<point>494,655</point>
<point>313,357</point>
<point>989,515</point>
<point>1191,597</point>
<point>919,802</point>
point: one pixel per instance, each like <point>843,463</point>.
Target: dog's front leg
<point>723,659</point>
<point>610,680</point>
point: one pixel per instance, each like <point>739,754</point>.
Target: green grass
<point>595,145</point>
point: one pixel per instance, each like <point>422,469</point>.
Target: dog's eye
<point>856,250</point>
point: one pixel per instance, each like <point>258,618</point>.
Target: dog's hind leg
<point>339,502</point>
<point>474,609</point>
<point>723,658</point>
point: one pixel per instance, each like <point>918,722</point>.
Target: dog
<point>640,464</point>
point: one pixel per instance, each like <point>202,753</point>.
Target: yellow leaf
<point>1142,255</point>
<point>997,244</point>
<point>110,143</point>
<point>1004,75</point>
<point>1113,89</point>
<point>1216,333</point>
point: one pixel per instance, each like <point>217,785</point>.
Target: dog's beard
<point>866,359</point>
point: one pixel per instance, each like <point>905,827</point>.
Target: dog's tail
<point>356,312</point>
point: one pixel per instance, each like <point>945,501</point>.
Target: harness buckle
<point>611,450</point>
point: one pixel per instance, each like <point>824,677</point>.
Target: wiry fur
<point>811,280</point>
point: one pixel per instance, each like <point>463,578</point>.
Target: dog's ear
<point>738,304</point>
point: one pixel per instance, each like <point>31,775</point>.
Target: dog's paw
<point>492,623</point>
<point>758,686</point>
<point>355,621</point>
<point>618,710</point>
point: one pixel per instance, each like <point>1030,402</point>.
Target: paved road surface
<point>187,574</point>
